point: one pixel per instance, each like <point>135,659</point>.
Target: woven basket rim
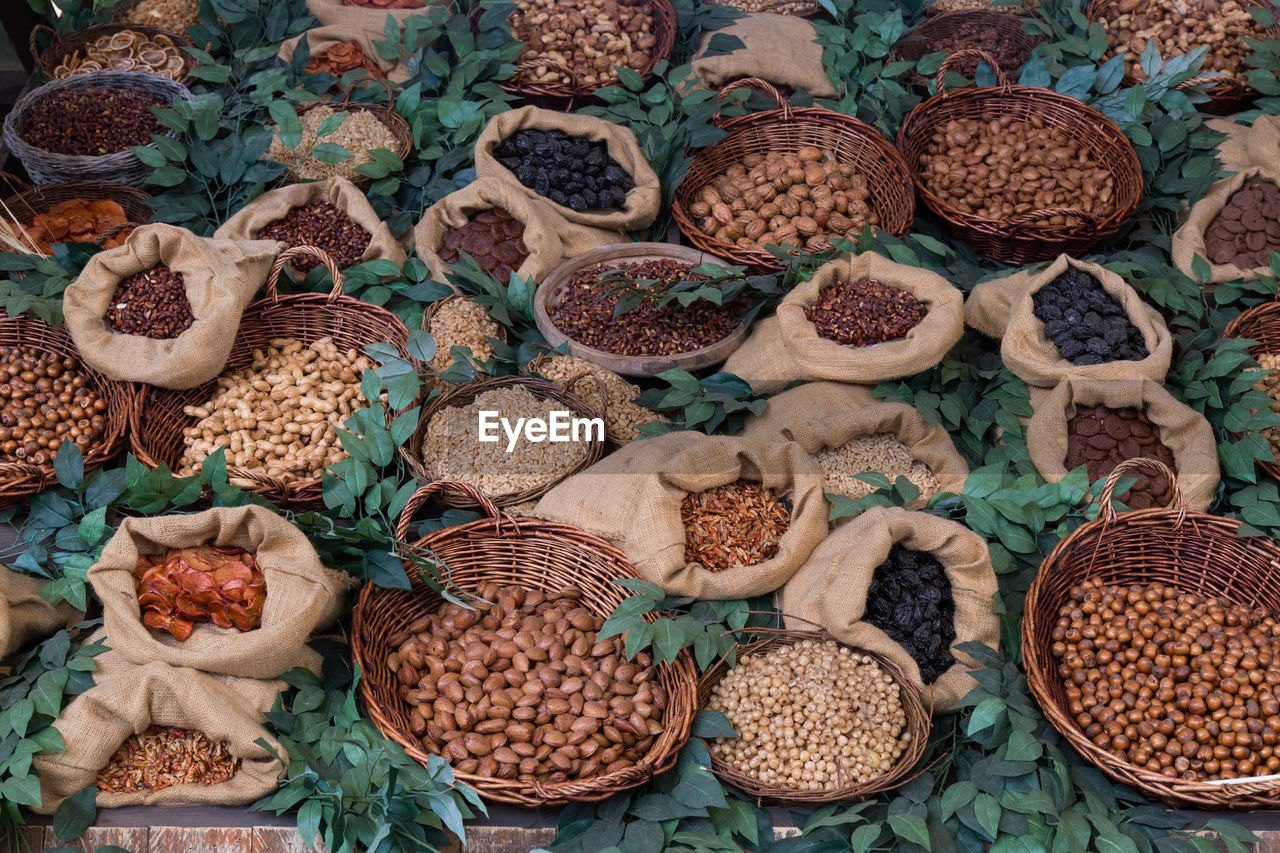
<point>919,724</point>
<point>39,198</point>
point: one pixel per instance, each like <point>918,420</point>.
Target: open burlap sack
<point>302,595</point>
<point>646,481</point>
<point>1034,359</point>
<point>341,193</point>
<point>1182,429</point>
<point>787,347</point>
<point>541,235</point>
<point>989,305</point>
<point>353,18</point>
<point>804,415</point>
<point>1262,143</point>
<point>24,615</point>
<point>221,277</point>
<point>779,49</point>
<point>831,590</point>
<point>321,39</point>
<point>642,202</point>
<point>1188,240</point>
<point>1233,152</point>
<point>98,721</point>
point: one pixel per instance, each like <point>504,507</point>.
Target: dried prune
<point>910,600</point>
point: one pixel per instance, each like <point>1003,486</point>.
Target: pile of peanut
<point>801,198</point>
<point>277,417</point>
<point>999,167</point>
<point>1179,27</point>
<point>519,688</point>
<point>583,41</point>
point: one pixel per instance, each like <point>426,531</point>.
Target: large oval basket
<point>533,554</point>
<point>1192,551</point>
<point>1030,236</point>
<point>788,129</point>
<point>158,422</point>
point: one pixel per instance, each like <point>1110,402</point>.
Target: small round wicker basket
<point>386,114</point>
<point>61,47</point>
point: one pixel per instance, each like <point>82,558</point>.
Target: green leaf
<point>712,724</point>
<point>93,525</point>
<point>22,790</point>
<point>911,828</point>
<point>76,814</point>
<point>68,464</point>
<point>987,810</point>
<point>286,119</point>
<point>668,639</point>
<point>955,796</point>
<point>985,714</point>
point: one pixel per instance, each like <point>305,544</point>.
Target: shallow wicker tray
<point>527,552</point>
<point>664,30</point>
<point>27,204</point>
<point>789,129</point>
<point>124,167</point>
<point>462,395</point>
<point>20,480</point>
<point>63,46</point>
<point>158,420</point>
<point>553,285</point>
<point>1024,238</point>
<point>1226,95</point>
<point>1189,550</point>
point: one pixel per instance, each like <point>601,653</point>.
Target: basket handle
<point>420,496</point>
<point>23,470</point>
<point>544,62</point>
<point>764,86</point>
<point>346,93</point>
<point>33,42</point>
<point>314,252</point>
<point>1090,221</point>
<point>263,481</point>
<point>1154,466</point>
<point>1002,80</point>
<point>599,389</point>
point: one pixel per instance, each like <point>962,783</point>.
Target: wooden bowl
<point>556,281</point>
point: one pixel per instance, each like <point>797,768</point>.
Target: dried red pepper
<point>207,583</point>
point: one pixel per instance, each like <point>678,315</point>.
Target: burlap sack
<point>803,416</point>
<point>1188,240</point>
<point>357,18</point>
<point>321,39</point>
<point>1182,429</point>
<point>24,615</point>
<point>1233,152</point>
<point>341,193</point>
<point>989,305</point>
<point>645,483</point>
<point>541,235</point>
<point>810,400</point>
<point>780,49</point>
<point>1034,359</point>
<point>221,277</point>
<point>831,590</point>
<point>302,595</point>
<point>642,203</point>
<point>787,347</point>
<point>1262,143</point>
<point>98,721</point>
<point>112,663</point>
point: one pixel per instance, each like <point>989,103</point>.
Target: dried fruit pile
<point>322,225</point>
<point>75,220</point>
<point>1180,26</point>
<point>92,121</point>
<point>1085,323</point>
<point>44,401</point>
<point>581,43</point>
<point>1247,230</point>
<point>738,524</point>
<point>186,586</point>
<point>126,50</point>
<point>1270,385</point>
<point>493,237</point>
<point>172,15</point>
<point>342,57</point>
<point>864,313</point>
<point>164,756</point>
<point>1172,681</point>
<point>585,311</point>
<point>152,303</point>
<point>1101,438</point>
<point>968,35</point>
<point>910,600</point>
<point>570,170</point>
<point>519,688</point>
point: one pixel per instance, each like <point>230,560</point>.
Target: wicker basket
<point>465,394</point>
<point>63,46</point>
<point>20,480</point>
<point>1262,324</point>
<point>534,367</point>
<point>124,167</point>
<point>536,555</point>
<point>1227,95</point>
<point>788,129</point>
<point>1189,550</point>
<point>921,40</point>
<point>1026,237</point>
<point>40,199</point>
<point>794,8</point>
<point>386,114</point>
<point>158,421</point>
<point>919,723</point>
<point>557,94</point>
